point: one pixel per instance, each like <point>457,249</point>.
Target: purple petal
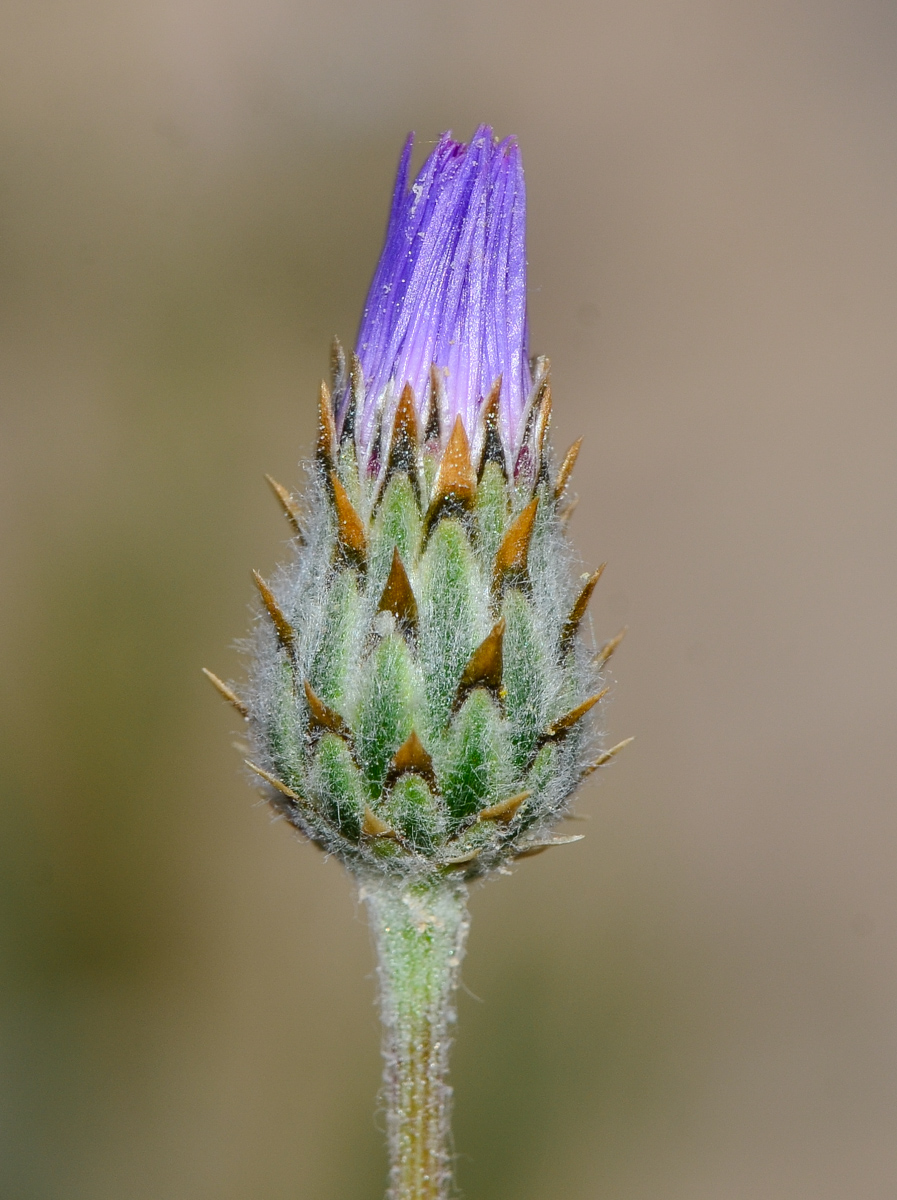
<point>450,286</point>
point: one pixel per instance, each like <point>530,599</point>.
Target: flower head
<point>421,687</point>
<point>450,288</point>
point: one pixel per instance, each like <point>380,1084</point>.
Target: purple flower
<point>450,286</point>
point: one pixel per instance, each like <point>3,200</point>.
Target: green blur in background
<point>699,1001</point>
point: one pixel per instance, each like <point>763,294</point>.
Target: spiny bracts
<point>422,701</point>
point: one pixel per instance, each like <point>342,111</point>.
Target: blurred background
<point>699,1001</point>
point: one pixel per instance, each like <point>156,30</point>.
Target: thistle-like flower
<point>422,701</point>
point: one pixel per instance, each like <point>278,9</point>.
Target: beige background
<point>699,1002</point>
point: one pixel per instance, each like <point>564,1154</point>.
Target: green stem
<point>420,933</point>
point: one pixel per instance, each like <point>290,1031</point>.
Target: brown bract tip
<point>540,847</point>
<point>565,723</point>
<point>566,468</point>
<point>505,810</point>
<point>326,448</point>
<point>412,756</point>
<point>403,448</point>
<point>609,647</point>
<point>350,528</point>
<point>397,597</point>
<point>511,559</point>
<point>484,667</point>
<point>284,630</point>
<point>606,757</point>
<point>321,715</point>
<point>566,513</point>
<point>456,483</point>
<point>463,859</point>
<point>273,780</point>
<point>225,692</point>
<point>372,826</point>
<point>337,366</point>
<point>540,429</point>
<point>433,420</point>
<point>489,434</point>
<point>353,397</point>
<point>578,611</point>
<point>288,504</point>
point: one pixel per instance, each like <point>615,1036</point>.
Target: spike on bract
<point>404,445</point>
<point>321,715</point>
<point>434,420</point>
<point>326,450</point>
<point>513,553</point>
<point>337,367</point>
<point>568,633</point>
<point>505,810</point>
<point>412,757</point>
<point>609,647</point>
<point>540,432</point>
<point>562,726</point>
<point>405,424</point>
<point>397,596</point>
<point>456,483</point>
<point>226,693</point>
<point>566,468</point>
<point>351,537</point>
<point>485,665</point>
<point>286,635</point>
<point>374,827</point>
<point>288,504</point>
<point>489,435</point>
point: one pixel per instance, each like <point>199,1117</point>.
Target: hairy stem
<point>420,933</point>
